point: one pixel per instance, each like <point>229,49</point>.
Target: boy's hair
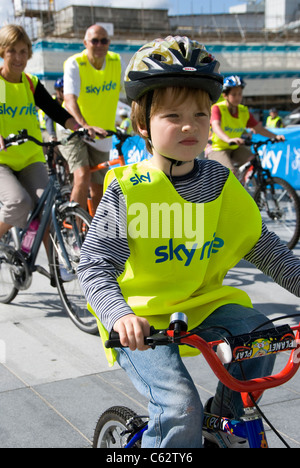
<point>11,35</point>
<point>180,94</point>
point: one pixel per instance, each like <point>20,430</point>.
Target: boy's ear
<point>143,132</point>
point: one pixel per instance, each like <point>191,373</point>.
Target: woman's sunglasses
<point>103,41</point>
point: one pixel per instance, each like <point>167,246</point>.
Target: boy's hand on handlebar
<point>132,330</point>
<point>2,144</point>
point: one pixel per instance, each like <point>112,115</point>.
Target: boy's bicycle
<point>120,427</point>
<point>277,200</point>
<point>68,224</point>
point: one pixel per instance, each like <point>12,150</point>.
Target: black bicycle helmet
<point>173,61</point>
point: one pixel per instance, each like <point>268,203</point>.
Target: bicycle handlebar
<point>257,144</point>
<point>23,137</point>
<point>167,336</point>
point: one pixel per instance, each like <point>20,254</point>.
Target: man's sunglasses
<point>103,41</point>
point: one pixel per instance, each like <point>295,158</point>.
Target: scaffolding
<point>38,14</point>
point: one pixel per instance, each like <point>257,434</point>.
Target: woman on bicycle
<point>23,174</point>
<point>229,120</point>
<point>165,235</point>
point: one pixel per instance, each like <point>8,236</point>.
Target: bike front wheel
<point>279,205</point>
<point>74,223</point>
<point>113,431</point>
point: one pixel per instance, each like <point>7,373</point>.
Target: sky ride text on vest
<point>111,86</point>
<point>16,111</point>
<point>181,253</point>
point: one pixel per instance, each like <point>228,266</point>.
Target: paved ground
<point>54,380</point>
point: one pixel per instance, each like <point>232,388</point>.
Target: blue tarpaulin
<point>283,159</point>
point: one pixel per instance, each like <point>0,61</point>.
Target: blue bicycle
<point>120,427</point>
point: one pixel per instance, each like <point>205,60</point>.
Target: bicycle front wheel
<point>74,224</point>
<point>279,205</point>
<point>112,429</point>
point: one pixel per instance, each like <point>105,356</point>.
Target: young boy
<point>229,121</point>
<point>166,233</point>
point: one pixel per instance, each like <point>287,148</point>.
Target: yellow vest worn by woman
<point>233,127</point>
<point>17,112</point>
<point>181,251</point>
<point>99,90</point>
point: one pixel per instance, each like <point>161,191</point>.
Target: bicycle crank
<point>19,270</point>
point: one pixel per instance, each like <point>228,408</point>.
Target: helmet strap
<point>148,113</point>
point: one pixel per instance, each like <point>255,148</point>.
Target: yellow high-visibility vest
<point>181,251</point>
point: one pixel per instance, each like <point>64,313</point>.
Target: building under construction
<point>258,40</point>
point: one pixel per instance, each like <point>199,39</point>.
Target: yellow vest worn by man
<point>181,251</point>
<point>17,112</point>
<point>99,90</point>
<point>232,126</point>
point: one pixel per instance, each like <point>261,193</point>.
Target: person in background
<point>229,120</point>
<point>59,98</point>
<point>23,173</point>
<point>274,120</point>
<point>92,83</point>
<point>126,124</point>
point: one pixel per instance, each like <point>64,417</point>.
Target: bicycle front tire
<point>74,224</point>
<point>279,205</point>
<point>112,428</point>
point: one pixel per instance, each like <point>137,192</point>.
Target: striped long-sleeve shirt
<point>103,257</point>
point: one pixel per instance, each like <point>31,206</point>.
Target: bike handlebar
<point>167,336</point>
<point>23,137</point>
<point>258,144</point>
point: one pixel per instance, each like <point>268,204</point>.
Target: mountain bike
<point>120,427</point>
<point>68,225</point>
<point>277,200</point>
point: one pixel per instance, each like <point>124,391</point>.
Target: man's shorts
<point>80,154</point>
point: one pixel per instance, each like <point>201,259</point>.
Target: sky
<point>175,6</point>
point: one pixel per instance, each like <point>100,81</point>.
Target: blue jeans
<point>175,408</point>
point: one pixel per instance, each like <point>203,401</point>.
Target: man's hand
<point>132,330</point>
<point>95,131</point>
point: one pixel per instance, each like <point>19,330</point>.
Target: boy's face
<point>235,96</point>
<point>179,129</point>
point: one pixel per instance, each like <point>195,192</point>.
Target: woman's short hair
<point>10,35</point>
